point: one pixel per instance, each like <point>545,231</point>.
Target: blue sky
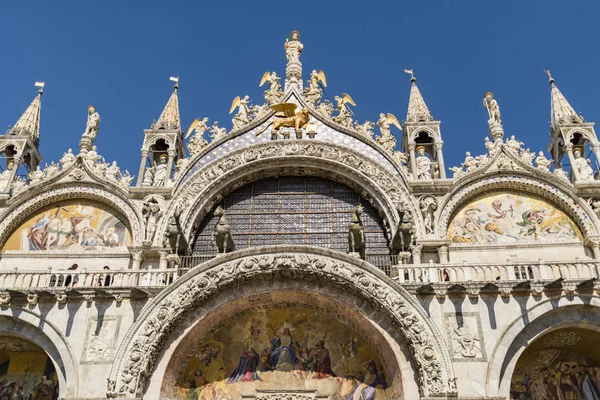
<point>118,55</point>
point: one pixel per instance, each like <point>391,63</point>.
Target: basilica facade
<point>302,255</point>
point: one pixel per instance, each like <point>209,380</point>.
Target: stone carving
<point>273,93</point>
<point>562,339</point>
<point>513,145</point>
<point>197,142</point>
<point>406,230</point>
<point>423,164</point>
<point>5,177</point>
<point>314,91</point>
<point>428,206</point>
<point>222,234</point>
<point>542,163</point>
<point>61,298</point>
<point>325,109</point>
<point>586,173</point>
<point>356,234</point>
<point>365,129</point>
<point>36,176</point>
<point>242,117</point>
<point>51,170</point>
<point>125,179</point>
<point>470,164</point>
<point>101,337</point>
<point>492,147</point>
<point>148,177</point>
<point>493,109</point>
<point>32,298</point>
<point>113,171</point>
<point>92,155</point>
<point>344,116</point>
<point>293,48</point>
<point>293,117</point>
<point>457,172</point>
<point>67,159</point>
<point>4,299</point>
<point>174,236</point>
<point>152,213</point>
<point>161,175</point>
<point>466,338</point>
<point>216,132</point>
<point>19,185</point>
<point>91,130</point>
<point>154,327</point>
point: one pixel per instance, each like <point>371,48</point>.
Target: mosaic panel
<point>294,210</point>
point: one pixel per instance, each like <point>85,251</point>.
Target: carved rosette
<point>149,335</point>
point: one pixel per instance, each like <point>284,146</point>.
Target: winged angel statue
<point>344,116</point>
<point>387,140</point>
<point>274,92</point>
<point>197,142</point>
<point>316,86</point>
<point>242,117</point>
<point>288,116</point>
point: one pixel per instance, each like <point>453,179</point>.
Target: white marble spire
<point>417,109</point>
<point>561,110</point>
<point>29,123</point>
<point>169,118</point>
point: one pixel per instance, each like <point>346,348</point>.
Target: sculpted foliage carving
<point>142,352</point>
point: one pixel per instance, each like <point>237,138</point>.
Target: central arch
<point>393,307</point>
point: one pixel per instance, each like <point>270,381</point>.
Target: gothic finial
<point>29,123</point>
<point>550,78</point>
<point>417,109</point>
<point>41,85</point>
<point>169,118</point>
<point>412,75</point>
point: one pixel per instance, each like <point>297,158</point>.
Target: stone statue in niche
<point>161,175</point>
<point>586,173</point>
<point>428,206</point>
<point>356,234</point>
<point>406,229</point>
<point>423,164</point>
<point>222,233</point>
<point>152,213</point>
<point>5,176</point>
<point>148,177</point>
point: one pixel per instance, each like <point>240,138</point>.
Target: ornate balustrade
<point>414,275</point>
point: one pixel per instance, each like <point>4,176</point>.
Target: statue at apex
<point>493,109</point>
<point>293,70</point>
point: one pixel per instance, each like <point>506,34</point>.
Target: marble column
<point>440,159</point>
<point>574,169</point>
<point>137,258</point>
<point>413,161</point>
<point>170,167</point>
<point>142,169</point>
<point>443,254</point>
<point>163,263</point>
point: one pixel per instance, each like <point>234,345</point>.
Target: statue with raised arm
<point>274,92</point>
<point>316,83</point>
<point>493,109</point>
<point>242,117</point>
<point>344,116</point>
<point>386,139</point>
<point>293,47</point>
<point>93,123</point>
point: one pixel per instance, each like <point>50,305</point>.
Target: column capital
<point>412,146</point>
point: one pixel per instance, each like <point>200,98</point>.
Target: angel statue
<point>241,118</point>
<point>217,133</point>
<point>387,140</point>
<point>197,142</point>
<point>274,92</point>
<point>316,85</point>
<point>493,109</point>
<point>288,116</point>
<point>344,117</point>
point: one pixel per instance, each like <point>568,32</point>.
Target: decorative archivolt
<point>210,184</point>
<point>21,210</point>
<point>139,351</point>
<point>575,207</point>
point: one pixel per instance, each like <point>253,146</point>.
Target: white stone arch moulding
<point>568,202</point>
<point>8,144</point>
<point>155,138</point>
<point>137,354</point>
<point>210,184</point>
<point>586,135</point>
<point>17,213</point>
<point>31,326</point>
<point>543,317</point>
<point>430,132</point>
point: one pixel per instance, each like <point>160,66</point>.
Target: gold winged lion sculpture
<point>289,116</point>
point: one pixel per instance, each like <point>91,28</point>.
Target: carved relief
<point>101,339</point>
<point>465,336</point>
